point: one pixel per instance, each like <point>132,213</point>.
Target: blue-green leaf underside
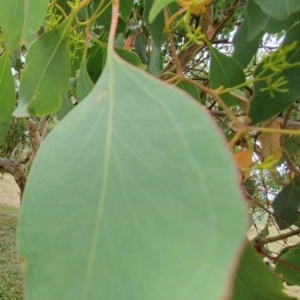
<point>122,203</point>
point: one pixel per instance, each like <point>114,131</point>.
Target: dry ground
<point>10,195</point>
<point>9,191</point>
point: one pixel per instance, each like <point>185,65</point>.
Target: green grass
<point>11,286</point>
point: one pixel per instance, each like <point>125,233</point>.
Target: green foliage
<point>134,195</point>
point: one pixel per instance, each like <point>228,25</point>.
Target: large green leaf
<point>264,104</point>
<point>286,205</point>
<point>132,196</point>
<point>84,82</point>
<point>7,92</point>
<point>289,266</point>
<point>46,74</point>
<point>255,280</point>
<point>279,9</point>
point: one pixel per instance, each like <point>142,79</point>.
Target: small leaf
<point>291,145</point>
<point>279,9</point>
<point>132,211</point>
<point>157,7</point>
<point>12,23</point>
<point>84,82</point>
<point>155,27</point>
<point>286,205</point>
<point>189,88</point>
<point>17,23</point>
<point>224,71</point>
<point>65,107</point>
<point>125,8</point>
<point>255,280</point>
<point>32,24</point>
<point>130,57</point>
<point>96,61</point>
<point>140,47</point>
<point>245,50</point>
<point>8,97</point>
<point>46,74</point>
<point>155,61</point>
<point>290,270</point>
<point>257,20</point>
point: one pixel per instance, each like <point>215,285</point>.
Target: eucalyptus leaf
<point>266,104</point>
<point>255,280</point>
<point>244,50</point>
<point>122,202</point>
<point>8,97</point>
<point>17,23</point>
<point>84,82</point>
<point>11,21</point>
<point>157,7</point>
<point>31,25</point>
<point>130,57</point>
<point>289,265</point>
<point>291,145</point>
<point>224,71</point>
<point>125,8</point>
<point>96,61</point>
<point>279,9</point>
<point>257,20</point>
<point>260,22</point>
<point>140,47</point>
<point>46,74</point>
<point>286,205</point>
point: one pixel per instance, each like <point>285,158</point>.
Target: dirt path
<point>9,191</point>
